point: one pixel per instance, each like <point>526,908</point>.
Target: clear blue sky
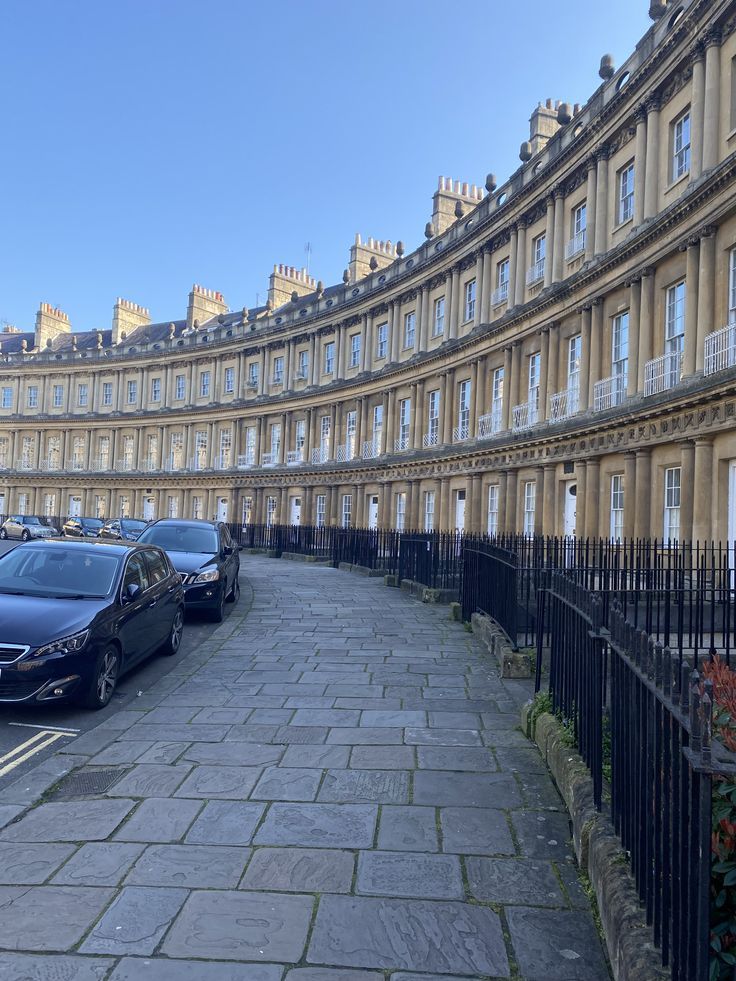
<point>150,144</point>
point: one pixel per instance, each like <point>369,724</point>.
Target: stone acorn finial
<point>525,151</point>
<point>608,67</point>
<point>244,315</point>
<point>99,340</point>
<point>196,325</point>
<point>320,287</point>
<point>399,248</point>
<point>124,335</point>
<point>269,305</point>
<point>657,8</point>
<point>294,297</point>
<point>49,343</point>
<point>459,210</point>
<point>491,183</point>
<point>74,342</point>
<point>373,263</point>
<point>221,318</point>
<point>172,331</point>
<point>429,230</point>
<point>24,346</point>
<point>564,113</point>
<point>346,276</point>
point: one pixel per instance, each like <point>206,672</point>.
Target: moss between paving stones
<point>629,940</point>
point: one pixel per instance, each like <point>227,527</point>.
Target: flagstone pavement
<point>334,787</point>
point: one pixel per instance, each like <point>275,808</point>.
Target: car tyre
<point>3,534</point>
<point>234,594</point>
<point>25,536</point>
<point>173,642</point>
<point>104,679</point>
<point>217,615</point>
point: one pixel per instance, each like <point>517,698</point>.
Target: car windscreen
<point>31,521</point>
<point>91,522</point>
<point>63,573</point>
<point>182,538</point>
<point>133,524</point>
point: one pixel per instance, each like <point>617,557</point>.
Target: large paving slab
<point>333,787</point>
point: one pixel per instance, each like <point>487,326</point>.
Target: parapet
<point>450,200</point>
<point>366,257</point>
<point>286,280</point>
<point>126,317</point>
<point>204,304</point>
<point>50,321</point>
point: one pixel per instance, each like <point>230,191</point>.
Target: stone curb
<point>513,664</point>
<point>426,593</point>
<point>629,940</point>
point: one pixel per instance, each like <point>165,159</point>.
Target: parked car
<point>206,557</point>
<point>122,529</point>
<point>76,616</point>
<point>81,527</point>
<point>25,527</point>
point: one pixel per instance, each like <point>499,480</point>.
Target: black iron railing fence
<point>662,762</point>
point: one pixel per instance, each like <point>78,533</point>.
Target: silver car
<point>25,527</point>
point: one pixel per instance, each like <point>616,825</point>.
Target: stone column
<point>642,507</point>
<point>285,435</point>
<point>418,316</point>
<point>590,204</point>
<point>687,489</point>
<point>553,356</point>
<point>646,324</point>
<point>446,399</point>
<point>450,497</point>
<point>456,300</point>
<point>388,422</point>
<point>596,348</point>
<point>395,330</point>
<point>691,307</point>
<point>711,119</point>
<point>507,372</point>
<point>481,393</point>
<point>549,504</point>
<point>479,278</point>
<point>632,376</point>
<point>261,374</point>
<point>539,496</point>
<point>424,323</point>
<point>702,511</point>
<point>487,286</point>
<point>601,202</point>
<point>651,176</point>
<point>629,493</point>
<point>706,294</point>
<point>474,494</point>
<point>550,242</point>
<point>473,396</point>
<point>284,515</point>
<point>697,111</point>
<point>592,503</point>
<point>367,341</point>
<point>332,444</point>
<point>580,498</point>
<point>288,347</point>
<point>585,359</point>
<point>409,505</point>
<point>513,250</point>
<point>417,414</point>
<point>512,489</point>
<point>502,501</point>
<point>363,423</point>
<point>559,238</point>
<point>543,373</point>
<point>313,359</point>
<point>521,264</point>
<point>384,505</point>
<point>515,387</point>
<point>449,280</point>
<point>384,426</point>
<point>439,503</point>
<point>308,505</point>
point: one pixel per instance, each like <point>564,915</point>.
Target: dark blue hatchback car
<point>75,615</point>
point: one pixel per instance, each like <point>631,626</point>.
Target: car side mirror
<point>228,550</point>
<point>131,591</point>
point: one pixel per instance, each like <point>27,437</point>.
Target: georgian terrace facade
<point>555,358</point>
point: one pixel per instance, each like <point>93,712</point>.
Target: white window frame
<point>617,506</point>
<point>229,381</point>
<point>355,350</point>
<point>204,384</point>
<point>470,295</point>
<point>681,145</point>
<point>254,373</point>
<point>270,511</point>
<point>620,345</point>
<point>329,357</point>
<point>410,325</point>
<point>7,397</point>
<point>672,503</point>
<point>132,390</point>
<point>732,287</point>
<point>181,388</point>
<point>58,395</point>
<point>351,428</point>
<point>32,396</point>
<point>433,417</point>
<point>401,511</point>
<point>278,370</point>
<point>674,330</point>
<point>321,512</point>
<point>347,510</point>
<point>155,389</point>
<point>530,505</point>
<point>464,395</point>
<point>626,178</point>
<point>429,497</point>
<point>82,395</point>
<point>492,522</point>
<point>381,340</point>
<point>438,323</point>
<point>304,363</point>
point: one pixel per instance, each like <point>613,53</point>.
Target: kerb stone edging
<point>629,940</point>
<point>513,664</point>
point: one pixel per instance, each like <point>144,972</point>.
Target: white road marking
<point>28,725</point>
<point>47,738</point>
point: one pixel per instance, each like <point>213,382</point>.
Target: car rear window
<point>58,572</point>
<point>182,538</point>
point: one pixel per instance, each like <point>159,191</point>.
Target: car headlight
<point>210,576</point>
<point>66,645</point>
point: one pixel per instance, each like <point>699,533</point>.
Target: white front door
<point>571,508</point>
<point>149,509</point>
<point>222,509</point>
<point>460,511</point>
<point>2,504</point>
<point>295,511</point>
<point>373,512</point>
<point>75,506</point>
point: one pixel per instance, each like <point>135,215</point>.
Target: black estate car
<point>75,616</point>
<point>122,529</point>
<point>205,555</point>
<point>81,527</point>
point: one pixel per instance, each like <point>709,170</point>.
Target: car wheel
<point>25,536</point>
<point>173,642</point>
<point>104,679</point>
<point>218,614</point>
<point>3,534</point>
<point>234,594</point>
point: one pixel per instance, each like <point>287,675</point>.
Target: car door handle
<point>152,603</point>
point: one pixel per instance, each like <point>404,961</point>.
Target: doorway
<point>295,511</point>
<point>571,509</point>
<point>149,508</point>
<point>460,511</point>
<point>222,509</point>
<point>373,511</point>
<point>75,506</point>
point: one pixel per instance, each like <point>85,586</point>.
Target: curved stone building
<point>558,356</point>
